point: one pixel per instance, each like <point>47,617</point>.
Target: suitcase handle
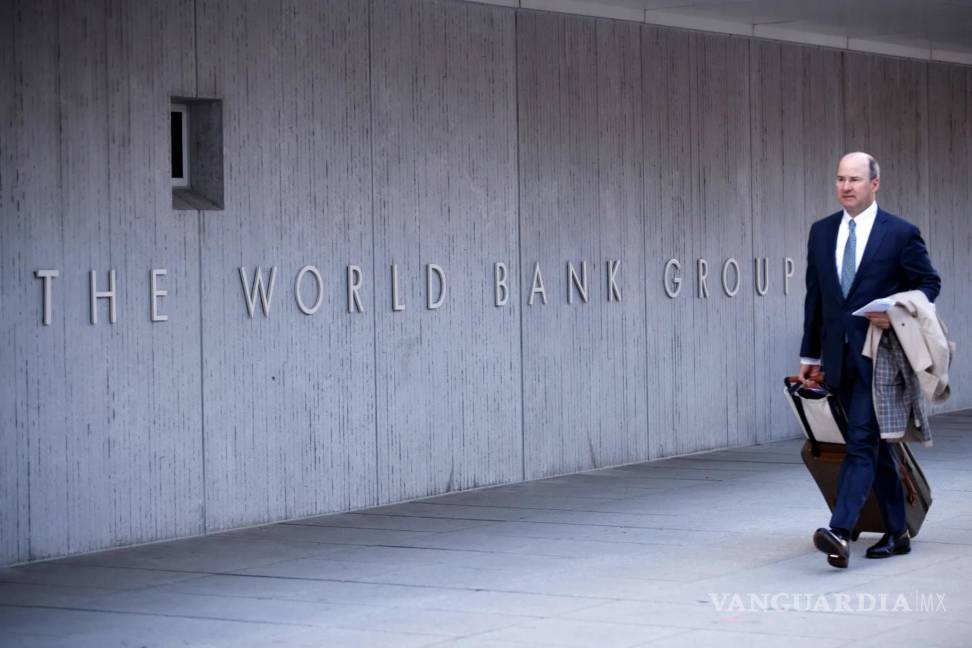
<point>793,385</point>
<point>814,388</point>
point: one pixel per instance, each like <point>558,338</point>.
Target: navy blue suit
<point>895,260</point>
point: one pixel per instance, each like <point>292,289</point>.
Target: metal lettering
<point>431,269</point>
<point>500,276</point>
<point>46,277</point>
<point>762,286</point>
<point>320,290</point>
<point>580,284</point>
<point>266,295</point>
<point>537,286</point>
<point>614,293</point>
<point>354,285</point>
<point>672,278</point>
<point>703,271</point>
<point>155,293</point>
<point>396,305</point>
<point>730,263</point>
<point>105,294</point>
<point>787,273</point>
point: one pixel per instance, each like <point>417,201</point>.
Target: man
<point>853,257</point>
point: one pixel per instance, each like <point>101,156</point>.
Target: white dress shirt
<point>864,222</point>
<point>862,230</point>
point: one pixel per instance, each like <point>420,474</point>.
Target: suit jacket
<point>895,260</point>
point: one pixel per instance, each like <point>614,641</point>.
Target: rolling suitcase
<point>824,425</point>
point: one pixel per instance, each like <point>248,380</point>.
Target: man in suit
<point>855,256</point>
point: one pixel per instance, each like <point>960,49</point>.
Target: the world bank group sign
<point>258,286</point>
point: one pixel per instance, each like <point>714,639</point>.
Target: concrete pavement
<point>708,550</point>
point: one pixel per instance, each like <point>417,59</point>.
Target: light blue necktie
<point>848,266</point>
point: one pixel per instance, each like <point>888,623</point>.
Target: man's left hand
<point>880,320</point>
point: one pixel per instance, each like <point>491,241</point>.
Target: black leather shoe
<point>891,544</point>
<point>834,544</point>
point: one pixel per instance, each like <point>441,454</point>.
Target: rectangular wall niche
<point>196,153</point>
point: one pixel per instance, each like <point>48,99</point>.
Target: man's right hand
<point>806,371</point>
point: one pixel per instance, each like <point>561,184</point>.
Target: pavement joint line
<point>433,608</point>
<point>727,466</point>
<point>5,581</point>
<point>442,500</point>
<point>690,628</point>
<point>492,522</point>
<point>697,627</point>
<point>611,526</point>
<point>329,544</point>
<point>65,608</point>
<point>659,543</point>
<point>309,525</point>
<point>105,592</point>
<point>749,568</point>
<point>437,517</point>
<point>513,507</point>
<point>380,607</point>
<point>494,506</point>
<point>524,508</point>
<point>509,508</point>
<point>551,498</point>
<point>227,620</point>
<point>501,521</point>
<point>450,588</point>
<point>670,515</point>
<point>758,461</point>
<point>703,469</point>
<point>584,475</point>
<point>133,568</point>
<point>423,517</point>
<point>472,636</point>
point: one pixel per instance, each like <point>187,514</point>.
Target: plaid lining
<point>898,402</point>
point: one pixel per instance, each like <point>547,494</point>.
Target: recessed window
<point>196,159</point>
<point>179,132</point>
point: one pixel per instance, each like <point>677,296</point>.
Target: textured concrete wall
<point>444,170</point>
<point>584,399</point>
<point>949,180</point>
<point>100,425</point>
<point>409,133</point>
<point>288,399</point>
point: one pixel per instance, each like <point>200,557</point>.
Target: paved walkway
<point>707,550</point>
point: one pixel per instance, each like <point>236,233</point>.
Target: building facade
<point>453,245</point>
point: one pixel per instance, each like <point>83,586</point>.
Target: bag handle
<point>793,386</point>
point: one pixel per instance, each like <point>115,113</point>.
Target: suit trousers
<point>869,462</point>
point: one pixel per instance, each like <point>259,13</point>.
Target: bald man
<point>855,256</point>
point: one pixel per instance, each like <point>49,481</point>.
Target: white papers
<point>882,305</point>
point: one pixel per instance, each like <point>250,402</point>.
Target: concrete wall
<point>408,133</point>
